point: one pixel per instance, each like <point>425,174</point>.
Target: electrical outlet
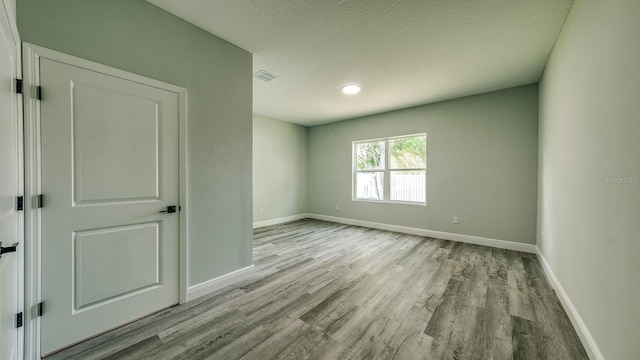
<point>456,220</point>
<point>261,211</point>
<point>544,238</point>
<point>337,207</point>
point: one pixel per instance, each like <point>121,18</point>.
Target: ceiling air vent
<point>264,75</point>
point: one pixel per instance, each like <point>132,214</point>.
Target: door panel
<point>95,152</point>
<point>10,169</point>
<point>109,166</point>
<point>104,273</point>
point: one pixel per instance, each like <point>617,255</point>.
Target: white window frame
<point>386,171</point>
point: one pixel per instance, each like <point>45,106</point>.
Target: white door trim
<point>8,9</point>
<point>32,55</point>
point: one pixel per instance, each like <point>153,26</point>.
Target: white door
<point>109,169</point>
<point>10,231</point>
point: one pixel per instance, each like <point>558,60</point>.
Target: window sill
<point>391,202</point>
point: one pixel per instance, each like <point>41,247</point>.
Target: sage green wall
<point>136,36</point>
<point>589,203</point>
<point>481,165</point>
<point>280,181</point>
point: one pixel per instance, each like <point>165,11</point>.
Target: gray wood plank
<point>561,338</point>
<point>279,341</point>
<point>138,350</point>
<point>242,345</point>
<point>526,340</point>
<point>497,328</point>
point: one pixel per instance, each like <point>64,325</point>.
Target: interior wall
<point>280,181</point>
<point>138,37</point>
<point>589,186</point>
<point>481,165</point>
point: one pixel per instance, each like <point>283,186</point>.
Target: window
<point>391,169</point>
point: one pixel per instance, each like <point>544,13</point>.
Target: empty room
<point>326,179</point>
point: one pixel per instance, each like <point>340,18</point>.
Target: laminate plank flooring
<point>330,291</point>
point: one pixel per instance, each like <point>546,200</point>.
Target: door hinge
<point>19,203</point>
<point>19,320</point>
<point>39,201</point>
<point>19,86</point>
<point>40,309</point>
<point>39,92</point>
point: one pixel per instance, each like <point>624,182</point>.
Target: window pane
<point>370,185</point>
<point>370,156</point>
<point>408,186</point>
<point>408,152</point>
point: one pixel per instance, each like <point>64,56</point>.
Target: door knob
<point>170,209</point>
<point>8,249</point>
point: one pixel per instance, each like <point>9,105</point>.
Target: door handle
<point>8,249</point>
<point>170,209</point>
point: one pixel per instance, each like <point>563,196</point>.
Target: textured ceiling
<point>403,53</point>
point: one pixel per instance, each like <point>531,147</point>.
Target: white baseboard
<point>502,244</point>
<point>281,220</point>
<point>583,332</point>
<point>209,286</point>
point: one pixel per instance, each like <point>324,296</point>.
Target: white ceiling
<point>402,52</point>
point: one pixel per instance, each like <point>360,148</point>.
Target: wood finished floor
<point>331,291</point>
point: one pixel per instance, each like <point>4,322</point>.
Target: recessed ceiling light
<point>351,89</point>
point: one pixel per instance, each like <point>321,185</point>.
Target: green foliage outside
<point>370,156</point>
<point>408,153</point>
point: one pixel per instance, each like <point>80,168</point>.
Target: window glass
<point>408,186</point>
<point>391,169</point>
<point>408,152</point>
<point>370,155</point>
<point>370,185</point>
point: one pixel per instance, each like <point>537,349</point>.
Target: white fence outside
<point>408,187</point>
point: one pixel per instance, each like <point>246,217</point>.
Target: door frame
<point>8,10</point>
<point>31,57</point>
